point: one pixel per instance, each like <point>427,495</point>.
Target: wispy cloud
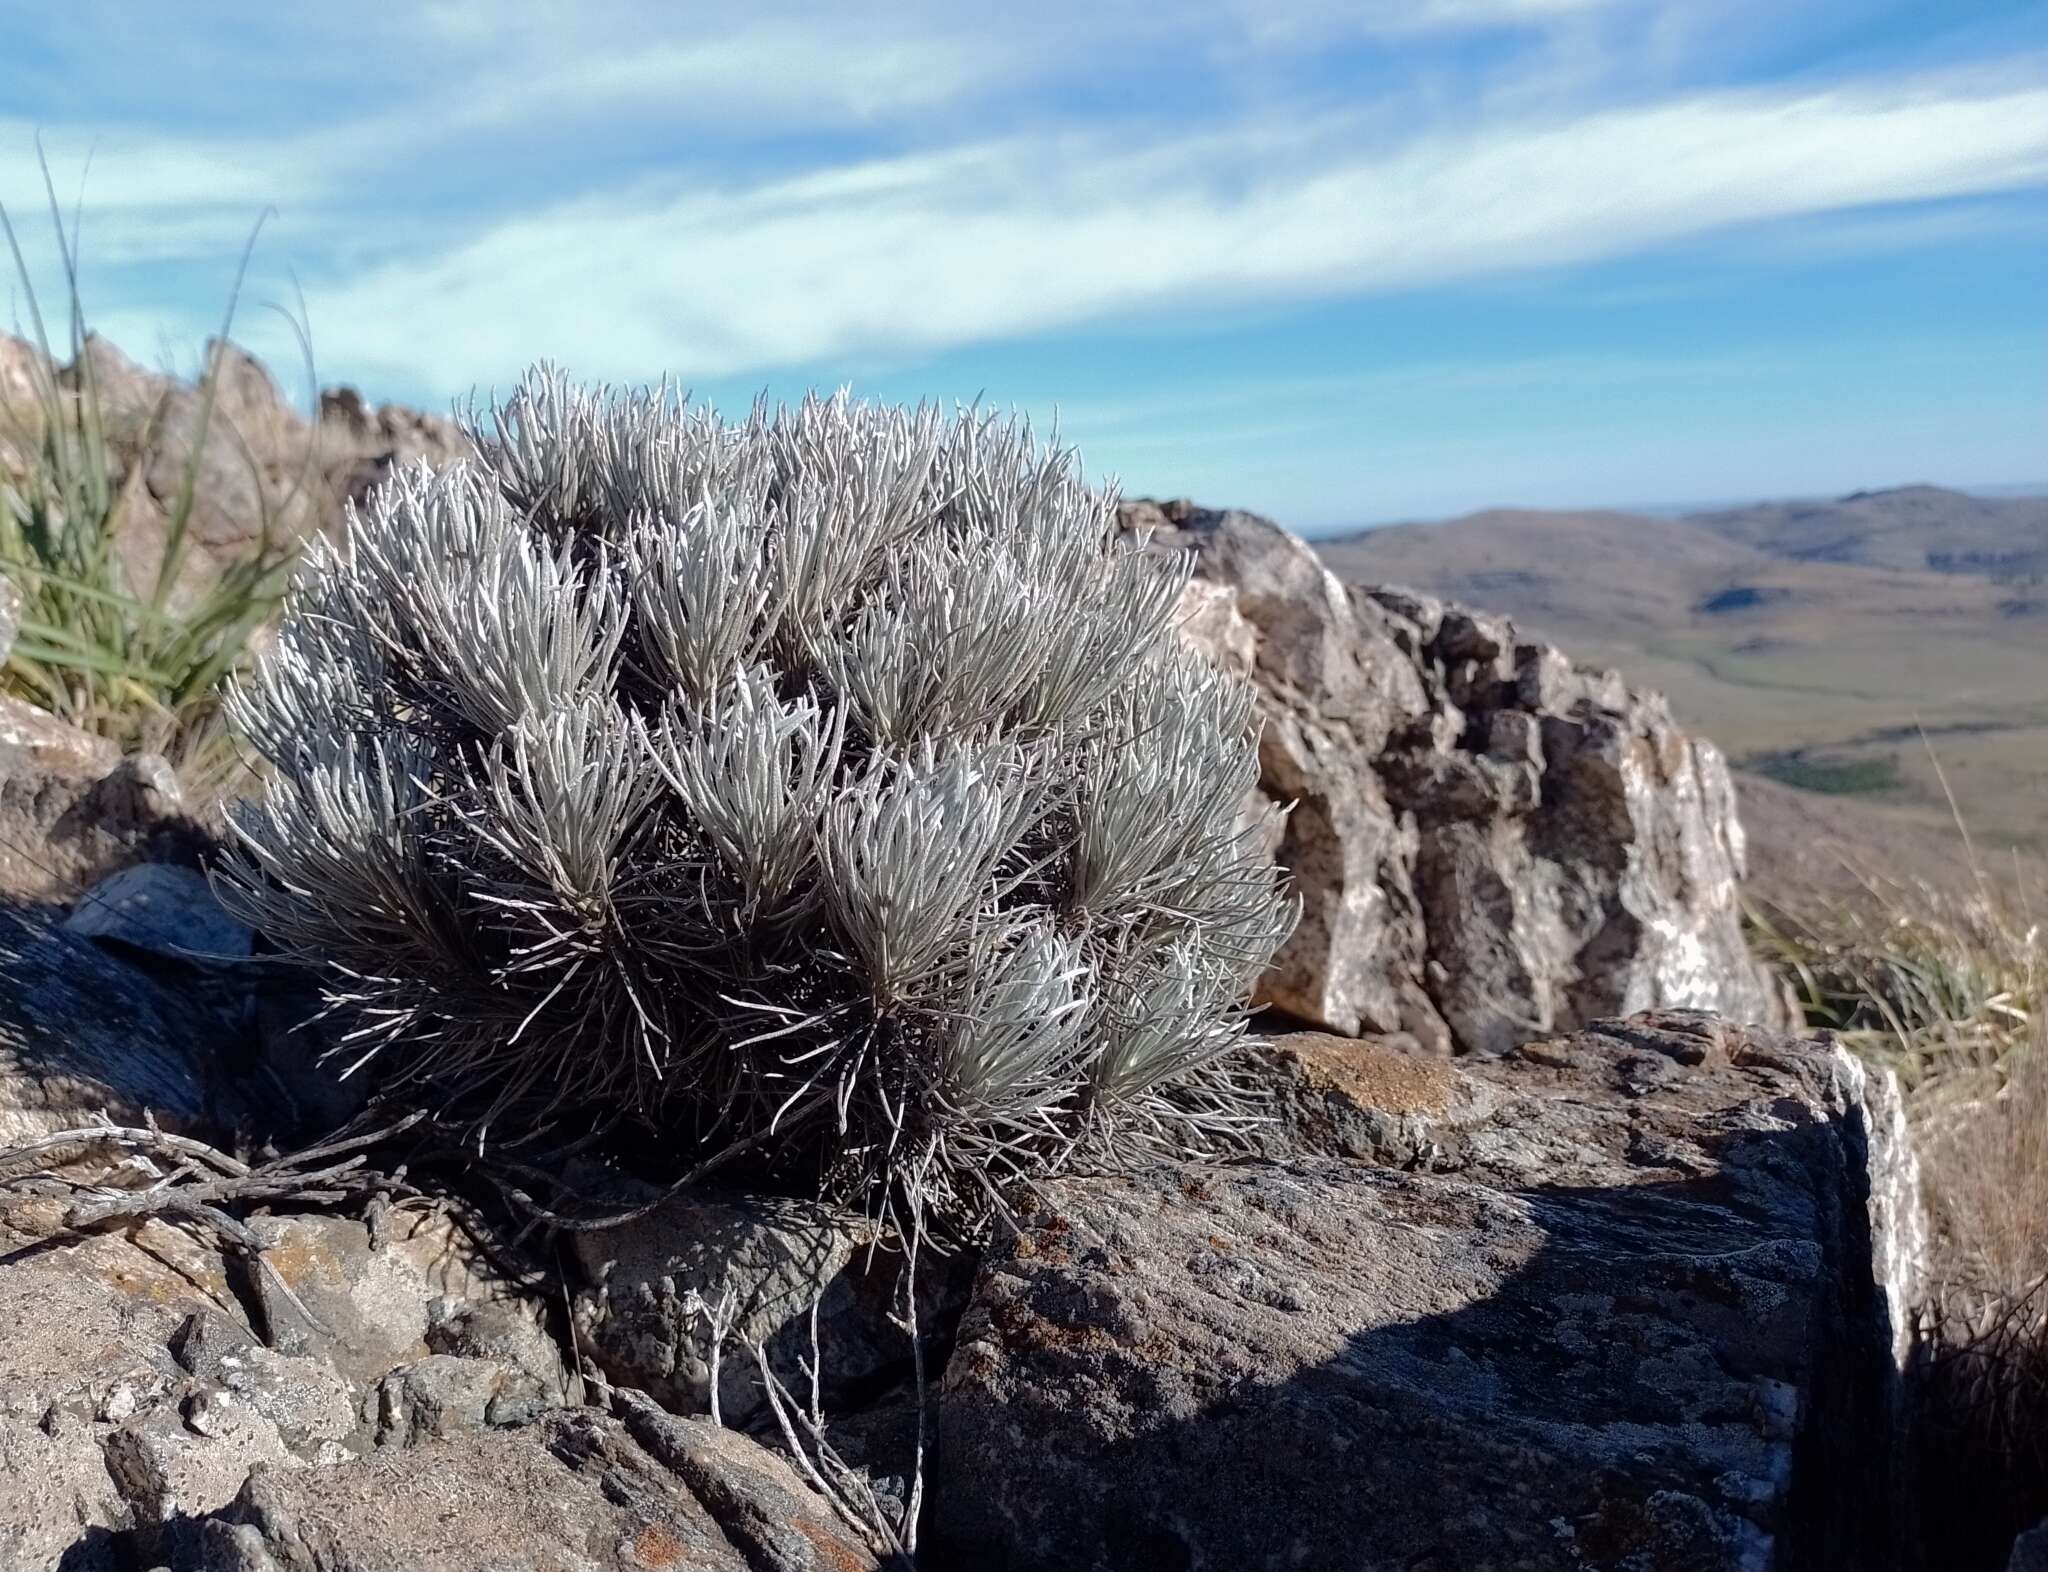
<point>998,239</point>
<point>787,192</point>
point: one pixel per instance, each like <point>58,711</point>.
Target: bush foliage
<point>834,776</point>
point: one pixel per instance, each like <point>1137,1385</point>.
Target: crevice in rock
<point>1850,1505</point>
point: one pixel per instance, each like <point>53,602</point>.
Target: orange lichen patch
<point>658,1550</point>
<point>1022,1327</point>
<point>1371,1074</point>
<point>154,1263</point>
<point>1553,1055</point>
<point>301,1258</point>
<point>833,1550</point>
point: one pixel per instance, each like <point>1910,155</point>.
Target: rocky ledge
<point>1629,1298</point>
<point>1639,1304</point>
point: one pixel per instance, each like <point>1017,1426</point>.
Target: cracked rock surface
<point>1634,1307</point>
<point>1490,840</point>
<point>145,1422</point>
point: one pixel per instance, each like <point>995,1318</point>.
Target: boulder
<point>574,1489</point>
<point>33,738</point>
<point>2030,1551</point>
<point>1648,1315</point>
<point>367,1297</point>
<point>136,1395</point>
<point>144,1422</point>
<point>86,1355</point>
<point>650,1287</point>
<point>84,1033</point>
<point>178,1461</point>
<point>72,809</point>
<point>58,1505</point>
<point>128,393</point>
<point>444,1395</point>
<point>160,909</point>
<point>1490,841</point>
<point>771,1516</point>
<point>362,444</point>
<point>1376,1100</point>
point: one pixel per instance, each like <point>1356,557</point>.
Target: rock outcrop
<point>1490,841</point>
<point>252,462</point>
<point>72,810</point>
<point>1641,1315</point>
<point>573,1489</point>
<point>1630,1299</point>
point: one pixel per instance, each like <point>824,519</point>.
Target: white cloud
<point>124,171</point>
<point>1020,235</point>
<point>1292,22</point>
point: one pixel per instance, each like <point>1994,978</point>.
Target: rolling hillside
<point>1815,641</point>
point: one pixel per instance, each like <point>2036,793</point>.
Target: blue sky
<point>1337,262</point>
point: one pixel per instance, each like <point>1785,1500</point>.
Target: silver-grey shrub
<point>834,778</point>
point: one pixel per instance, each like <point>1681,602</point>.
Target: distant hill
<point>1911,528</point>
<point>1812,640</point>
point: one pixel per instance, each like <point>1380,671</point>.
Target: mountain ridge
<point>1815,641</point>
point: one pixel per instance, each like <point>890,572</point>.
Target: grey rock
<point>210,1345</point>
<point>162,909</point>
<point>179,1461</point>
<point>2030,1551</point>
<point>88,1321</point>
<point>58,1506</point>
<point>135,1399</point>
<point>83,1354</point>
<point>311,1405</point>
<point>775,1521</point>
<point>128,393</point>
<point>24,375</point>
<point>83,1032</point>
<point>509,1332</point>
<point>72,810</point>
<point>228,490</point>
<point>637,1319</point>
<point>1490,841</point>
<point>364,445</point>
<point>573,1490</point>
<point>1647,1320</point>
<point>35,740</point>
<point>246,458</point>
<point>254,463</point>
<point>375,1290</point>
<point>443,1395</point>
<point>1383,1102</point>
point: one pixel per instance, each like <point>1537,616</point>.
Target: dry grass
<point>1945,986</point>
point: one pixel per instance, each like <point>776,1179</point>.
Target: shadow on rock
<point>1686,1366</point>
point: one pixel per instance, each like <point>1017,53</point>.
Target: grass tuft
<point>1943,988</point>
<point>134,654</point>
